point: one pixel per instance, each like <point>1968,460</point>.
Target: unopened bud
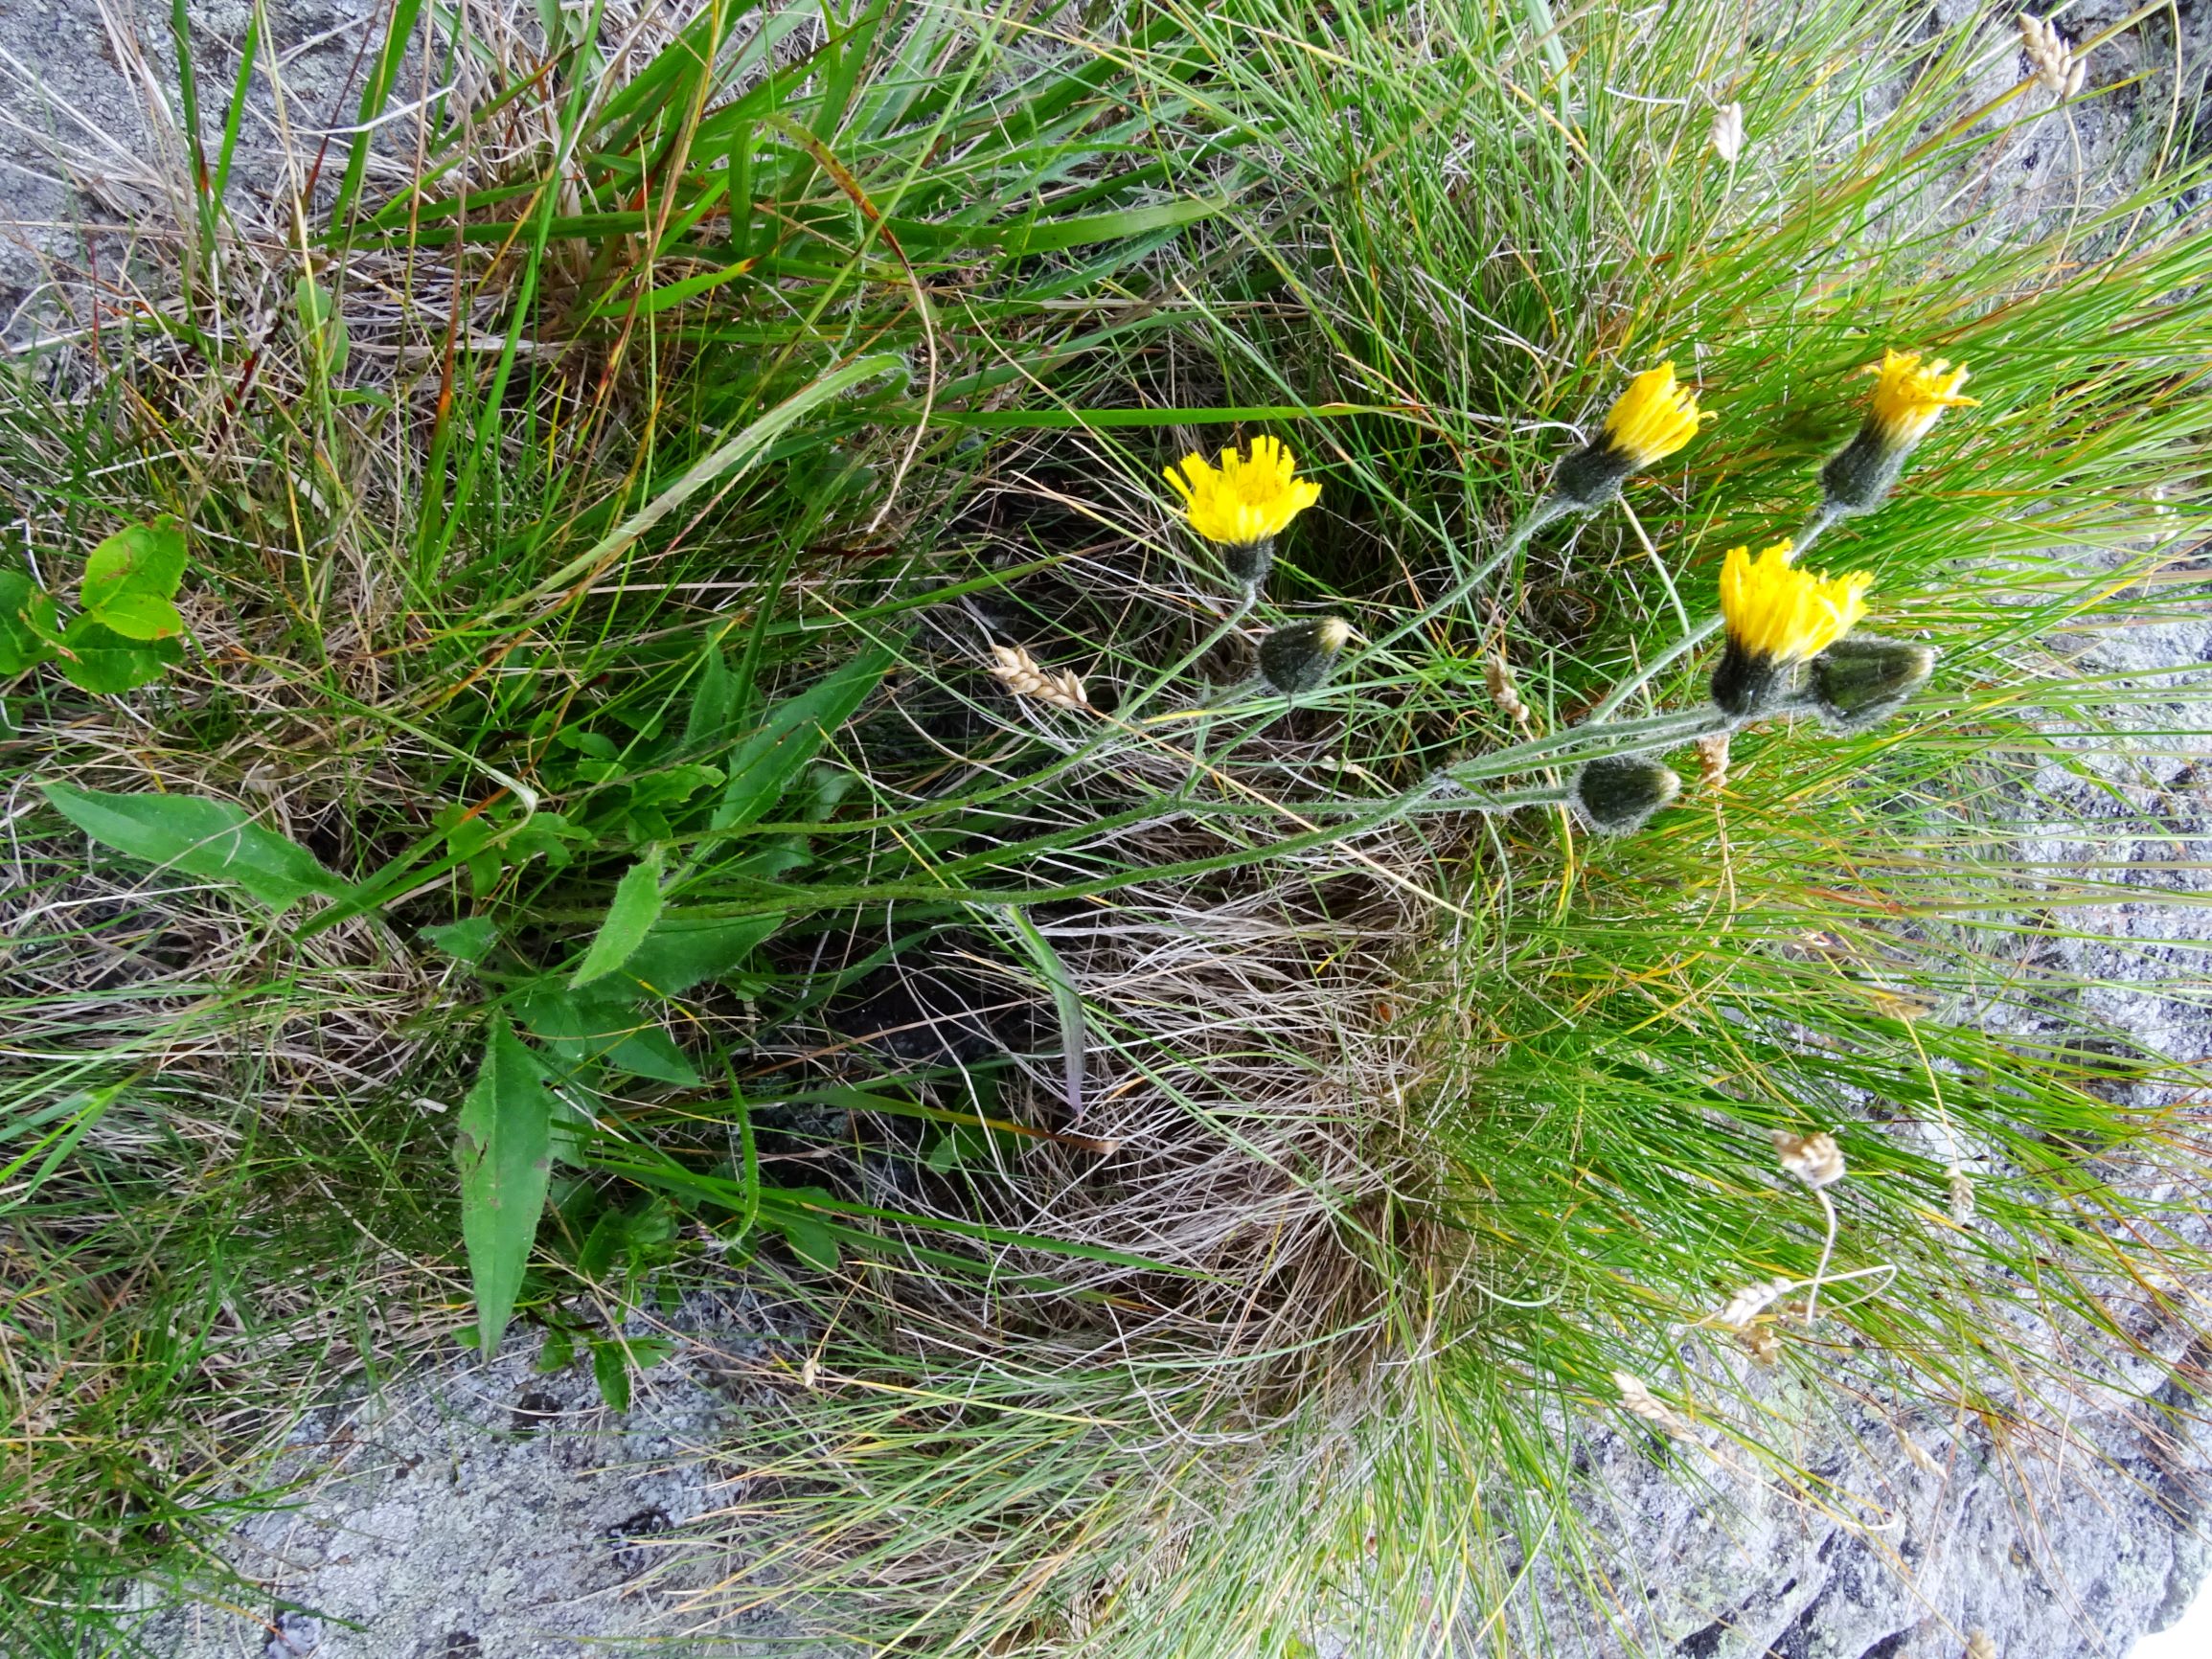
<point>1297,657</point>
<point>1618,793</point>
<point>1862,679</point>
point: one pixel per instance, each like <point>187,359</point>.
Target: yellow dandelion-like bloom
<point>1910,396</point>
<point>1251,499</point>
<point>1776,610</point>
<point>1777,615</point>
<point>1655,417</point>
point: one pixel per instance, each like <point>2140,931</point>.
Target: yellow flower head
<point>1910,396</point>
<point>1250,500</point>
<point>1781,614</point>
<point>1653,417</point>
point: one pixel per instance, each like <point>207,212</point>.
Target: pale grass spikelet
<point>1021,675</point>
<point>1815,1159</point>
<point>1713,761</point>
<point>1498,677</point>
<point>1961,1185</point>
<point>1640,1403</point>
<point>2051,59</point>
<point>1980,1645</point>
<point>1750,1302</point>
<point>1727,134</point>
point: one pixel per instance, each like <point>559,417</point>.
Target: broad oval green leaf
<point>504,1147</point>
<point>141,616</point>
<point>212,840</point>
<point>144,558</point>
<point>98,659</point>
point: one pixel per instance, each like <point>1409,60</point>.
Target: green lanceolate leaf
<point>143,559</point>
<point>470,940</point>
<point>792,734</point>
<point>1066,1001</point>
<point>610,1370</point>
<point>636,907</point>
<point>711,719</point>
<point>504,1147</point>
<point>681,951</point>
<point>212,840</point>
<point>603,1025</point>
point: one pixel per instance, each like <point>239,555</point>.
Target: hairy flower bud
<point>1248,562</point>
<point>1618,793</point>
<point>1297,657</point>
<point>1862,679</point>
<point>1859,477</point>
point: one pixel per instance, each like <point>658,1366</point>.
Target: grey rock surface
<point>480,1510</point>
<point>93,156</point>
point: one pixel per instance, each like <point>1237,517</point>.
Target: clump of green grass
<point>1212,1213</point>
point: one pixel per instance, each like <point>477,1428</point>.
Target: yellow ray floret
<point>1250,499</point>
<point>1655,417</point>
<point>1911,395</point>
<point>1781,613</point>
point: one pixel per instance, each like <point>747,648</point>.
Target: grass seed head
<point>1816,1159</point>
<point>1727,134</point>
<point>1640,1403</point>
<point>2050,59</point>
<point>1497,676</point>
<point>1713,761</point>
<point>1750,1302</point>
<point>1021,675</point>
<point>1961,1188</point>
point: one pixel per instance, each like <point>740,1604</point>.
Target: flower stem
<point>1551,507</point>
<point>1652,669</point>
<point>1808,533</point>
<point>1167,676</point>
<point>1590,742</point>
